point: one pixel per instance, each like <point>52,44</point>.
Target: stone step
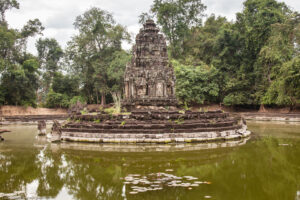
<point>150,126</point>
<point>129,131</point>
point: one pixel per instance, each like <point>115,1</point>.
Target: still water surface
<point>265,167</point>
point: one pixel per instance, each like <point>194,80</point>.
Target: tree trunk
<point>117,100</point>
<point>103,100</point>
<point>262,108</point>
<point>97,97</point>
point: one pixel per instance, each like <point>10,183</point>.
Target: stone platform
<point>150,93</point>
<point>153,127</point>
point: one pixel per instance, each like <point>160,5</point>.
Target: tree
<point>92,50</point>
<point>177,17</point>
<point>196,84</point>
<point>199,46</point>
<point>7,5</point>
<point>144,17</point>
<point>49,55</point>
<point>115,73</point>
<point>18,69</point>
<point>281,47</point>
<point>20,83</point>
<point>254,25</point>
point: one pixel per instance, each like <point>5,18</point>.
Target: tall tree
<point>177,17</point>
<point>18,69</point>
<point>7,5</point>
<point>49,55</point>
<point>115,73</point>
<point>91,51</point>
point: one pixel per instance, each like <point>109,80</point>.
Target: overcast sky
<point>58,16</point>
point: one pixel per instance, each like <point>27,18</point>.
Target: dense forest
<point>251,61</point>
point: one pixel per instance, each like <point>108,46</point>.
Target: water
<point>265,167</point>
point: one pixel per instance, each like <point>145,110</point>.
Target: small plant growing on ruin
<point>83,112</point>
<point>110,111</point>
<point>123,123</point>
<point>186,107</point>
<point>179,121</point>
<point>97,121</point>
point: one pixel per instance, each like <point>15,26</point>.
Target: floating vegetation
<point>158,181</point>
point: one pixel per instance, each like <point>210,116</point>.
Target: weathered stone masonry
<point>149,93</point>
<point>149,77</point>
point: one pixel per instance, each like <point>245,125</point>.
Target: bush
<point>196,84</point>
<point>75,99</point>
<point>57,100</point>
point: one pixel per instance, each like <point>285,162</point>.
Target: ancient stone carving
<point>56,131</point>
<point>41,127</point>
<point>149,77</point>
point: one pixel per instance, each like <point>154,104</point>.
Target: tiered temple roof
<point>149,77</point>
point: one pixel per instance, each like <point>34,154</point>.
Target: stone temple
<point>150,96</point>
<point>149,77</point>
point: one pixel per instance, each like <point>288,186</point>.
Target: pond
<point>266,166</point>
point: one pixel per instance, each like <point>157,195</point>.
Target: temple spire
<point>149,77</point>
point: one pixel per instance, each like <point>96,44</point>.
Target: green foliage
<point>176,17</point>
<point>179,121</point>
<point>19,84</point>
<point>196,84</point>
<point>65,84</point>
<point>285,90</point>
<point>97,121</point>
<point>111,111</point>
<point>253,60</point>
<point>32,28</point>
<point>49,54</point>
<point>76,99</point>
<point>247,57</point>
<point>57,100</point>
<point>123,123</point>
<point>6,5</point>
<point>116,70</point>
<point>84,112</point>
<point>99,32</point>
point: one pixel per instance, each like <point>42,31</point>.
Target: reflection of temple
<point>149,77</point>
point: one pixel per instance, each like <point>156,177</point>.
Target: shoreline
<point>256,116</point>
<point>284,117</point>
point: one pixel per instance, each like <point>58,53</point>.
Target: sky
<point>58,16</point>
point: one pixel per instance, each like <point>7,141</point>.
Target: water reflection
<point>259,169</point>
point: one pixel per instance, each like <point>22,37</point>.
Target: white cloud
<point>58,16</point>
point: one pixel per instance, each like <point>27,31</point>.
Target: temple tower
<point>149,77</point>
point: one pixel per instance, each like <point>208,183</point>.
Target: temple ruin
<point>150,95</point>
<point>149,77</point>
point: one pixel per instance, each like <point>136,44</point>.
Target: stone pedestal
<point>56,132</point>
<point>42,128</point>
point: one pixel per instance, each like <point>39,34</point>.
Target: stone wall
<point>154,127</point>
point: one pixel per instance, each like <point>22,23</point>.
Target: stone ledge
<point>157,138</point>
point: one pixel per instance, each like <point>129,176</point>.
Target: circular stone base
<point>106,147</point>
<point>164,138</point>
